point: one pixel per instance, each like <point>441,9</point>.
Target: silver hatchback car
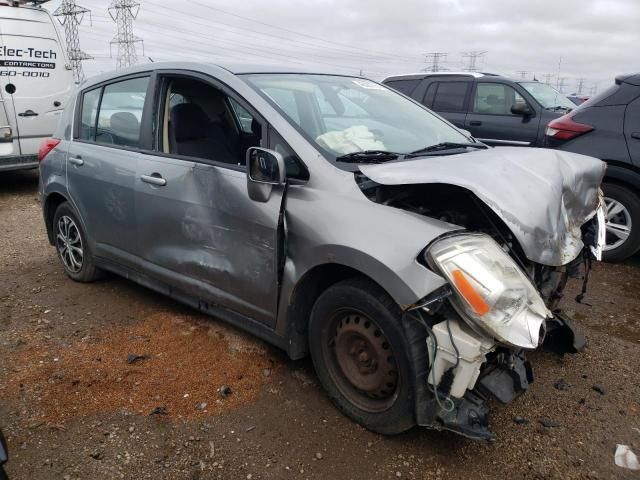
<point>330,216</point>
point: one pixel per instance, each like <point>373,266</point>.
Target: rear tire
<point>619,220</point>
<point>71,245</point>
<point>361,355</point>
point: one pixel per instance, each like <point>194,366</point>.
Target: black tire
<point>631,201</point>
<point>3,475</point>
<point>388,404</point>
<point>86,271</point>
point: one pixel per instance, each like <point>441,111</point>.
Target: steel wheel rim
<point>617,223</point>
<point>361,361</point>
<point>69,243</point>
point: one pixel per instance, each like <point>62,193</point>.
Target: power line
<point>70,17</point>
<point>473,57</point>
<point>434,58</point>
<point>123,13</point>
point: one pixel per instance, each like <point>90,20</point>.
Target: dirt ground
<point>110,380</point>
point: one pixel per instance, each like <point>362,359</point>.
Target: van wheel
<point>72,246</point>
<point>622,222</point>
<point>360,355</point>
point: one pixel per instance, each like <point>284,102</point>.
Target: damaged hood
<point>543,196</point>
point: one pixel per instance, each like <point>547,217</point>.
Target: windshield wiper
<point>368,156</point>
<point>444,146</point>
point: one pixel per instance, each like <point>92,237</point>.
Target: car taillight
<point>47,145</point>
<point>566,128</point>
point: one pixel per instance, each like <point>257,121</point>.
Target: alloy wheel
<point>69,244</point>
<point>617,223</point>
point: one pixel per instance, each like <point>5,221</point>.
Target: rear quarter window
<point>403,86</point>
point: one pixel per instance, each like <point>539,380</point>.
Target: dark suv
<point>495,109</point>
<point>608,127</point>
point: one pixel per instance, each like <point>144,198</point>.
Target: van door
<point>37,68</point>
<point>9,143</point>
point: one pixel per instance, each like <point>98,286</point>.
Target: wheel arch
<point>51,204</point>
<point>623,174</point>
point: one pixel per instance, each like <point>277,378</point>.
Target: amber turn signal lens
<point>469,293</point>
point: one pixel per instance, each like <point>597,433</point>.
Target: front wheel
<point>622,221</point>
<point>360,355</point>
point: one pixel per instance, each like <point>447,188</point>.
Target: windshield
<point>343,115</point>
<point>547,96</point>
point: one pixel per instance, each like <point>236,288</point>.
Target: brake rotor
<point>365,356</point>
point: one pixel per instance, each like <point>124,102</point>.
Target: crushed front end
<point>523,237</point>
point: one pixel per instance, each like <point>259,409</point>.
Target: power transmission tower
<point>594,89</point>
<point>522,73</point>
<point>123,13</point>
<point>70,17</point>
<point>580,85</point>
<point>473,57</point>
<point>434,58</point>
<point>547,78</point>
<point>562,82</point>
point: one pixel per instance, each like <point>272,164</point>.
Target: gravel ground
<point>75,405</point>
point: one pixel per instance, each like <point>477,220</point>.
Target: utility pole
<point>123,13</point>
<point>522,73</point>
<point>580,85</point>
<point>547,78</point>
<point>473,57</point>
<point>70,17</point>
<point>562,82</point>
<point>434,58</point>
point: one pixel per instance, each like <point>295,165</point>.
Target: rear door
<point>36,66</point>
<point>632,130</point>
<point>102,164</point>
<point>449,99</point>
<point>490,119</point>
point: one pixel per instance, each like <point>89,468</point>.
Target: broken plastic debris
<point>625,458</point>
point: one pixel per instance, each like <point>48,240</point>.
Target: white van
<point>35,81</point>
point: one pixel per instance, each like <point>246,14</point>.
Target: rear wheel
<point>361,356</point>
<point>72,246</point>
<point>622,222</point>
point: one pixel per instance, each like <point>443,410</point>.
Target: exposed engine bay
<point>462,366</point>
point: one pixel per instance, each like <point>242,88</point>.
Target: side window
<point>244,118</point>
<point>495,99</point>
<point>450,96</point>
<point>121,112</point>
<point>295,167</point>
<point>90,102</point>
<point>404,86</point>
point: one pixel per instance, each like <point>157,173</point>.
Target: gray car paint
<point>328,219</point>
<point>543,196</point>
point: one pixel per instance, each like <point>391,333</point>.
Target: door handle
<point>76,160</point>
<point>154,179</point>
<point>28,113</point>
<point>475,123</point>
<point>635,135</point>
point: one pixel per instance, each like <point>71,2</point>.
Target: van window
<point>121,112</point>
<point>89,111</point>
<point>450,96</point>
<point>495,99</point>
<point>404,86</point>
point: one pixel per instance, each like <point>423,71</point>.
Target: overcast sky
<point>596,39</point>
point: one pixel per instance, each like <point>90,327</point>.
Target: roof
<point>439,74</point>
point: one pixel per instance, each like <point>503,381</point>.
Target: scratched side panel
<point>208,236</point>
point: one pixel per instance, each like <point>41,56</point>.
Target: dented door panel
<point>207,237</point>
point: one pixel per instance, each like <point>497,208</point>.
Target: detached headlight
<point>492,292</point>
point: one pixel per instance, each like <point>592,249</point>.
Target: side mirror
<point>520,107</point>
<point>265,168</point>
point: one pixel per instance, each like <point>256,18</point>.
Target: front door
<point>632,130</point>
<point>198,229</point>
<point>102,165</point>
<point>490,119</point>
